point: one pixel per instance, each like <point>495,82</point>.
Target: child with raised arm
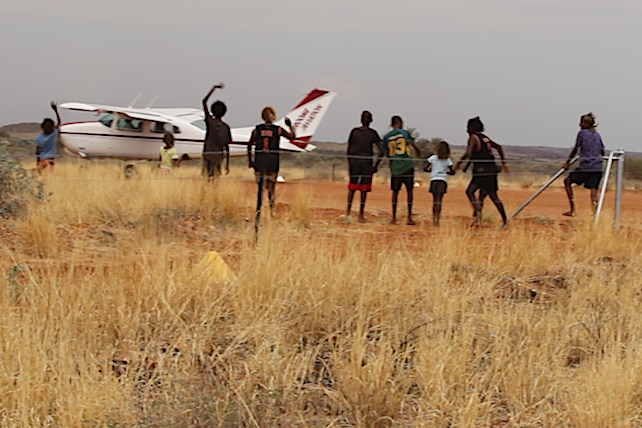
<point>46,142</point>
<point>590,147</point>
<point>440,167</point>
<point>218,137</point>
<point>266,139</point>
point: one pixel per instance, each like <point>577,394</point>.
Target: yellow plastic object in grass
<point>213,268</point>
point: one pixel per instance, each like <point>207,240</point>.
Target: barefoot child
<point>480,152</point>
<point>440,167</point>
<point>266,139</point>
<point>360,151</point>
<point>397,145</point>
<point>218,137</point>
<point>589,173</point>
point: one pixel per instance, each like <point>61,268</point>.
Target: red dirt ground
<point>328,201</point>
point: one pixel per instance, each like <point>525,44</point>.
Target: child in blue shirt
<point>46,142</point>
<point>590,147</point>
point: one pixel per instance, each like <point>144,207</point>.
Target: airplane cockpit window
<point>160,127</point>
<point>129,124</point>
<point>200,123</point>
<point>107,120</point>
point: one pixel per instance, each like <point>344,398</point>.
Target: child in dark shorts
<point>590,147</point>
<point>218,137</point>
<point>266,139</point>
<point>440,167</point>
<point>398,145</point>
<point>484,180</point>
<point>361,142</point>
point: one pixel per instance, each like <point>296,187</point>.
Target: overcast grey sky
<point>529,68</point>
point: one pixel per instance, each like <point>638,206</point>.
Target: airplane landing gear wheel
<point>129,171</point>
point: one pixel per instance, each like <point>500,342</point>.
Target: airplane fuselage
<point>137,134</point>
<point>105,139</point>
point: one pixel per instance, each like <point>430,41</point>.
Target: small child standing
<point>440,166</point>
<point>168,154</point>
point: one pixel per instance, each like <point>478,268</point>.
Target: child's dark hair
<point>396,120</point>
<point>268,114</point>
<point>475,125</point>
<point>168,138</point>
<point>47,122</point>
<point>442,150</point>
<point>588,120</point>
<point>366,118</point>
<point>218,109</point>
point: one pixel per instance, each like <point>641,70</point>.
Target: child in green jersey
<point>397,146</point>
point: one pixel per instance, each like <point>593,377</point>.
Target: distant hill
<point>21,128</point>
<point>20,137</point>
<point>539,152</point>
<point>536,160</point>
<point>531,152</point>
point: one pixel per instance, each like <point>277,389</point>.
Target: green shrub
<point>17,185</point>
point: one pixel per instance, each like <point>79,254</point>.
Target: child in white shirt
<point>440,166</point>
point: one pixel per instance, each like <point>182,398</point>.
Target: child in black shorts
<point>440,167</point>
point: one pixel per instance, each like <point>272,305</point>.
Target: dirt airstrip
<point>328,200</point>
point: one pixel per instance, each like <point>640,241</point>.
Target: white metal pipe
<point>619,187</point>
<point>614,155</point>
<point>544,187</point>
<point>605,182</point>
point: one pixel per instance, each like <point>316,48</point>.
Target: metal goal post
<point>614,156</point>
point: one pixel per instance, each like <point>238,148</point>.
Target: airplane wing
<point>131,113</point>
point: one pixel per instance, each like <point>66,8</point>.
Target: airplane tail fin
<point>307,116</point>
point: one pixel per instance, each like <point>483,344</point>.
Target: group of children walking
<point>397,144</point>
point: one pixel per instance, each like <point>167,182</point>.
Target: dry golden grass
<point>105,319</point>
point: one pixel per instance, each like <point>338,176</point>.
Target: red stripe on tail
<point>316,93</point>
<point>301,142</point>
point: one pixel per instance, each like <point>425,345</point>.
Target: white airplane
<point>136,133</point>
